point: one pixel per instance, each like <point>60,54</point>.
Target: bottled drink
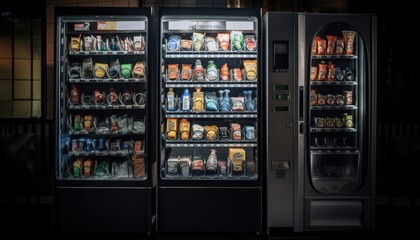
<point>171,99</point>
<point>186,100</point>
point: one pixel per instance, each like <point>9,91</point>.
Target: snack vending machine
<point>321,112</point>
<point>209,171</point>
<point>104,155</point>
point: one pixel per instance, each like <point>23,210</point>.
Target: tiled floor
<point>20,218</point>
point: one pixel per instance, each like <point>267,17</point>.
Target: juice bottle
<point>171,99</point>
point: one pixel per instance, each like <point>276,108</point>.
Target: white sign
<point>239,25</point>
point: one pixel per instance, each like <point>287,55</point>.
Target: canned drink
<point>330,100</point>
<point>348,120</point>
<point>114,147</point>
<point>77,168</point>
<point>339,100</point>
<point>349,75</point>
<point>313,98</point>
<point>320,122</point>
<point>321,100</point>
<point>338,122</point>
<point>250,168</point>
<point>222,168</point>
<point>348,99</point>
<point>224,133</point>
<point>339,76</point>
<point>329,122</point>
<point>249,132</point>
<point>74,145</point>
<point>82,142</point>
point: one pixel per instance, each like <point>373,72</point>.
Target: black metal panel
<point>103,210</point>
<point>337,213</point>
<point>209,210</point>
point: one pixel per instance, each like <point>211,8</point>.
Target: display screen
<point>280,56</point>
<point>281,108</point>
<point>280,87</point>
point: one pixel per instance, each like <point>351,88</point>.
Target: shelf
<point>90,53</point>
<point>347,107</point>
<point>118,132</point>
<point>213,115</point>
<point>334,178</point>
<point>333,130</point>
<point>210,85</point>
<point>105,107</point>
<point>333,83</point>
<point>334,56</point>
<point>214,144</point>
<point>203,54</point>
<point>341,150</point>
<point>121,153</point>
<point>210,177</point>
<point>107,80</point>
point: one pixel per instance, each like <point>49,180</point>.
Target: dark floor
<point>20,218</point>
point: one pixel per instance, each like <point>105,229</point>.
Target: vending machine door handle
<point>301,127</point>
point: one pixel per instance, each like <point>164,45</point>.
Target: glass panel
<point>5,69</point>
<point>6,27</point>
<point>335,173</point>
<point>22,109</point>
<point>22,28</point>
<point>36,29</point>
<point>210,130</point>
<point>36,70</point>
<point>22,48</point>
<point>105,153</point>
<point>6,109</point>
<point>334,109</point>
<point>36,48</point>
<point>5,90</point>
<point>36,91</point>
<point>36,108</point>
<point>22,89</point>
<point>22,69</point>
<point>5,47</point>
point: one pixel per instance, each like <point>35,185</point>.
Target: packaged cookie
<point>250,67</point>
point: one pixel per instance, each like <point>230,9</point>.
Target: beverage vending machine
<point>321,112</point>
<point>103,178</point>
<point>210,140</point>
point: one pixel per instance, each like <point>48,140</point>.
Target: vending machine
<point>103,178</point>
<point>210,139</point>
<point>321,111</point>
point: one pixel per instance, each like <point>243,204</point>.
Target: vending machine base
<point>234,210</point>
<point>108,210</point>
<point>337,213</point>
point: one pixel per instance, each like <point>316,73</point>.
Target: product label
<point>82,26</point>
<point>121,25</point>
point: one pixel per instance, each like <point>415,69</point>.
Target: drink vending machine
<point>321,112</point>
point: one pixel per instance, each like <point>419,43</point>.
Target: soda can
<point>348,97</point>
<point>74,145</point>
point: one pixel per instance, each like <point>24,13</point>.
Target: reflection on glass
<point>22,69</point>
<point>22,109</point>
<point>5,90</point>
<point>22,89</point>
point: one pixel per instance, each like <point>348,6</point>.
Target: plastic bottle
<point>225,102</point>
<point>211,164</point>
<point>186,100</point>
<point>171,99</point>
